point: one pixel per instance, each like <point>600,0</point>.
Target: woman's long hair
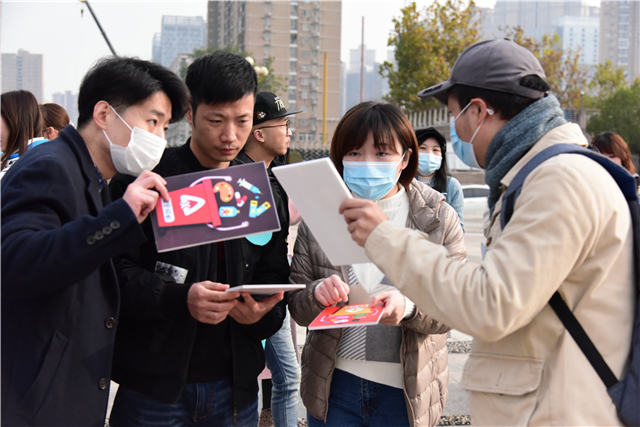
<point>613,144</point>
<point>54,116</point>
<point>439,180</point>
<point>21,114</point>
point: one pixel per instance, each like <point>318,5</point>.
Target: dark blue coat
<point>59,290</point>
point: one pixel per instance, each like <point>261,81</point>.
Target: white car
<point>475,199</point>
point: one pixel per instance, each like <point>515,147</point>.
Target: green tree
<point>269,82</point>
<point>620,113</point>
<point>606,80</point>
<point>427,43</point>
<point>566,77</point>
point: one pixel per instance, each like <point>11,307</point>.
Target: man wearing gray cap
<point>570,231</point>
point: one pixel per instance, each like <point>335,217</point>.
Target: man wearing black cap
<point>268,142</point>
<point>570,232</point>
<point>187,352</point>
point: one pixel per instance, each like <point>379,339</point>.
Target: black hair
<point>439,180</point>
<point>219,78</point>
<point>125,82</point>
<point>506,105</point>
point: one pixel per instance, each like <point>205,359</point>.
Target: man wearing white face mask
<point>60,298</point>
<point>569,237</point>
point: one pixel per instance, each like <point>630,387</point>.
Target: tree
<point>606,80</point>
<point>620,113</point>
<point>427,43</point>
<point>566,77</point>
<point>268,81</point>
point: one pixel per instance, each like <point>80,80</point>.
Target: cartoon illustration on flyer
<point>215,205</point>
<point>346,316</point>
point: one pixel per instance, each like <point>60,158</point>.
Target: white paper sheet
<point>317,190</point>
<point>265,289</point>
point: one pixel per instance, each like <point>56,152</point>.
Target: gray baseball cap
<point>497,64</point>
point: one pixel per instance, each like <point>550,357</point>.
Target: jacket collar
<point>569,133</point>
<point>79,147</point>
<point>424,204</point>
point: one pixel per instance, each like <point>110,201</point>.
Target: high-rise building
<point>375,86</point>
<point>22,71</point>
<point>180,34</point>
<point>296,34</point>
<point>535,15</point>
<point>68,101</point>
<point>620,35</point>
<point>580,33</point>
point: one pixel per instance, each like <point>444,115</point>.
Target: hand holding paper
<point>332,290</point>
<point>251,311</point>
<point>393,303</point>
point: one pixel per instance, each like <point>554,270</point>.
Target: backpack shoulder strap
<point>627,185</point>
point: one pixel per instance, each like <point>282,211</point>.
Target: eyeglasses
<point>287,124</point>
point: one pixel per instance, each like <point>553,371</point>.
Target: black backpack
<point>625,393</point>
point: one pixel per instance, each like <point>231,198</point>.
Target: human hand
<point>362,217</point>
<point>251,311</point>
<point>394,305</point>
<point>332,290</point>
<point>209,303</point>
<point>140,194</point>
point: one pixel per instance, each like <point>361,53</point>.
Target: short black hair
<point>219,78</point>
<point>506,105</point>
<point>124,82</point>
<point>439,180</point>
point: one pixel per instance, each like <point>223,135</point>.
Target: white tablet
<point>317,190</point>
<point>269,289</point>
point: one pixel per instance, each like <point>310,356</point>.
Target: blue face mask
<point>370,180</point>
<point>428,163</point>
<point>464,150</point>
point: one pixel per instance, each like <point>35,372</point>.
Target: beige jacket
<point>571,231</point>
<point>423,351</point>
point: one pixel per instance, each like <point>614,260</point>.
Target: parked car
<point>475,199</point>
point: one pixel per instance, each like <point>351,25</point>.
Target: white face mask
<point>143,152</point>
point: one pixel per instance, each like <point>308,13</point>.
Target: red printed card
<point>345,316</point>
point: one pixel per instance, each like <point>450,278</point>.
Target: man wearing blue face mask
<point>569,235</point>
<point>60,298</point>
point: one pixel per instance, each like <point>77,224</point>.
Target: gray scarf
<point>516,138</point>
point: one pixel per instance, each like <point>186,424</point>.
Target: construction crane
<point>99,26</point>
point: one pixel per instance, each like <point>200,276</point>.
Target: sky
<point>71,42</point>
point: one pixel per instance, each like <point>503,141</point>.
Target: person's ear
<point>50,133</point>
<point>406,158</point>
<point>258,135</point>
<point>101,114</point>
<point>189,115</point>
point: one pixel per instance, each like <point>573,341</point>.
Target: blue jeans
<point>201,404</point>
<point>285,376</point>
<point>354,402</point>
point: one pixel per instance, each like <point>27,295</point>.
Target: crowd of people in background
<point>86,297</point>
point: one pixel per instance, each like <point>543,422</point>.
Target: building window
<point>267,7</point>
<point>304,95</point>
<point>267,50</point>
<point>314,109</point>
<point>306,54</point>
<point>315,28</point>
<point>306,27</point>
<point>304,122</point>
<point>292,95</point>
<point>293,66</point>
<point>314,69</point>
<point>294,10</point>
<point>306,13</point>
<point>293,52</point>
<point>305,40</point>
<point>304,68</point>
<point>267,22</point>
<point>293,25</point>
<point>293,39</point>
<point>304,81</point>
<point>267,35</point>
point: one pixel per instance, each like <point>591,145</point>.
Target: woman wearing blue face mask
<point>394,373</point>
<point>432,169</point>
